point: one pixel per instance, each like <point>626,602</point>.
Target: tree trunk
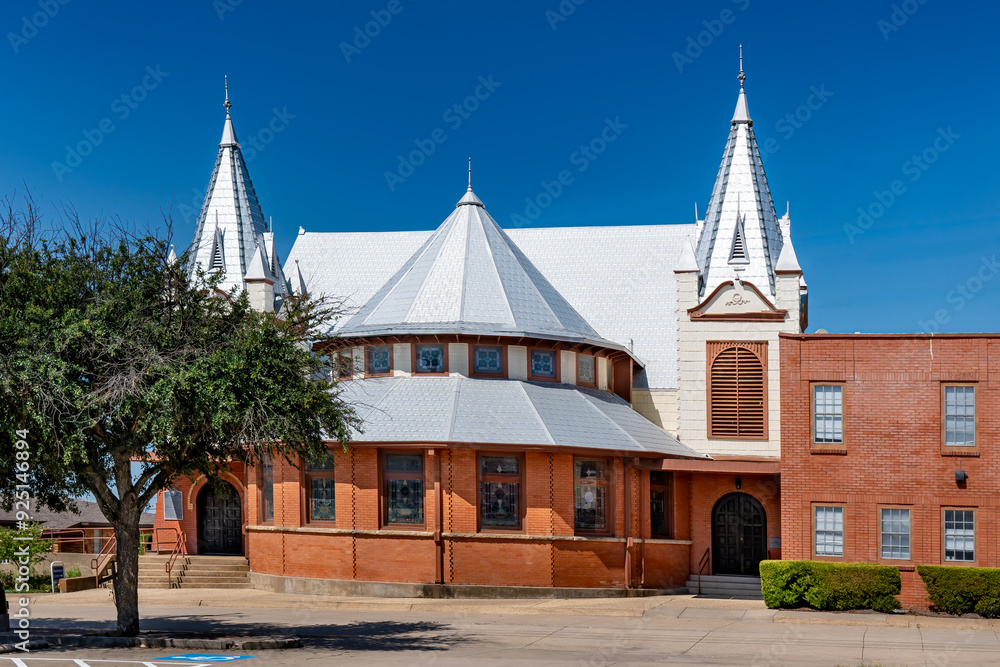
<point>126,581</point>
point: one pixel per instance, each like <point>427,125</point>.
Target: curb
<point>97,641</point>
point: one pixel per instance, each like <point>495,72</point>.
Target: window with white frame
<point>960,535</point>
<point>829,532</point>
<point>959,416</point>
<point>895,530</point>
<point>828,413</point>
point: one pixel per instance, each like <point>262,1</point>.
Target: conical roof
<point>469,277</point>
<point>231,224</point>
<point>741,206</point>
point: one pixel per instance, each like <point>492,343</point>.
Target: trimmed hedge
<point>829,586</point>
<point>963,590</point>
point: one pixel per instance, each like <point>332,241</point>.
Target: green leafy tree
<point>24,546</point>
<point>111,354</point>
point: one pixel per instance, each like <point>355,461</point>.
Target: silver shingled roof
<point>508,412</point>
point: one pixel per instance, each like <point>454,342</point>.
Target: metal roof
<point>458,409</point>
<point>620,278</point>
<point>469,277</point>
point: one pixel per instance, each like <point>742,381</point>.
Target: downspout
<point>643,504</point>
<point>438,518</point>
<point>628,523</point>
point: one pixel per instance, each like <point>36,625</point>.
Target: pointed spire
<point>687,263</point>
<point>742,113</point>
<point>298,282</point>
<point>228,133</point>
<point>470,197</point>
<point>258,270</point>
<point>172,257</point>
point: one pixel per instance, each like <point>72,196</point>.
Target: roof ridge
<point>534,410</point>
<point>608,419</point>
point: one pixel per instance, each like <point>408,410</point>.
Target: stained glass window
<point>379,360</point>
<point>660,507</point>
<point>585,373</point>
<point>322,489</point>
<point>487,359</point>
<point>590,494</point>
<point>404,489</point>
<point>267,490</point>
<point>543,363</point>
<point>430,359</point>
<point>500,491</point>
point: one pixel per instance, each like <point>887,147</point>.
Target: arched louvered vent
<point>737,390</point>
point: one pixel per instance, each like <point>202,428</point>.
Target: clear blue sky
<point>892,90</point>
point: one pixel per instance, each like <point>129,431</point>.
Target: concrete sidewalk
<point>688,607</point>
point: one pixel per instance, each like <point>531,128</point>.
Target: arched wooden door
<point>220,521</point>
<point>739,535</point>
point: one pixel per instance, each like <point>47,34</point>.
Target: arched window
<point>737,390</point>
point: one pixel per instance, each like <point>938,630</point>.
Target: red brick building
<point>886,454</point>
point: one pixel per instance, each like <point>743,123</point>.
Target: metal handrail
<point>179,545</point>
<point>701,566</point>
<point>98,563</point>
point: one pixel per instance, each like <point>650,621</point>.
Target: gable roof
<point>470,277</point>
<point>89,516</point>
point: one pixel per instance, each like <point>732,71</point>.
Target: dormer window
<point>586,370</point>
<point>345,365</point>
<point>429,359</point>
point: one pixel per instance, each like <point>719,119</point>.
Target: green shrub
<point>963,590</point>
<point>829,586</point>
<point>36,582</point>
<point>73,572</point>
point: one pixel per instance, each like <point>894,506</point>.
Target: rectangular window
<point>430,359</point>
<point>543,364</point>
<point>500,480</point>
<point>591,494</point>
<point>828,414</point>
<point>487,360</point>
<point>829,531</point>
<point>321,489</point>
<point>895,531</point>
<point>404,489</point>
<point>379,360</point>
<point>586,372</point>
<point>267,491</point>
<point>959,416</point>
<point>960,535</point>
<point>660,506</point>
<point>345,365</point>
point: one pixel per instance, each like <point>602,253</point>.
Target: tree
<point>110,354</point>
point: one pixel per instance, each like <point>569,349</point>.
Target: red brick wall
<point>892,432</point>
<point>346,550</point>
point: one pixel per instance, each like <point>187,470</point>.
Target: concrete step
<point>726,586</point>
<point>227,586</point>
<point>206,568</point>
<point>210,579</point>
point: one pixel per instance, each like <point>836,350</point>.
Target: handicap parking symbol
<point>203,657</point>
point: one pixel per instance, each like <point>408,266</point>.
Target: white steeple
<point>741,236</point>
<point>231,225</point>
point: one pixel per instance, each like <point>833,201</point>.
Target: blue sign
<point>204,657</point>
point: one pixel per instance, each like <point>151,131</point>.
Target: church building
<point>599,405</point>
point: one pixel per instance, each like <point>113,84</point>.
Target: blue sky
<point>894,79</point>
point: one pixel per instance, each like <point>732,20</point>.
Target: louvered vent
<point>737,390</point>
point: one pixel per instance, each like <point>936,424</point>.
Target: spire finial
<point>226,103</point>
<point>742,77</point>
<point>470,174</point>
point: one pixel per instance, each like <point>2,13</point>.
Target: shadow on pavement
<point>385,636</point>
